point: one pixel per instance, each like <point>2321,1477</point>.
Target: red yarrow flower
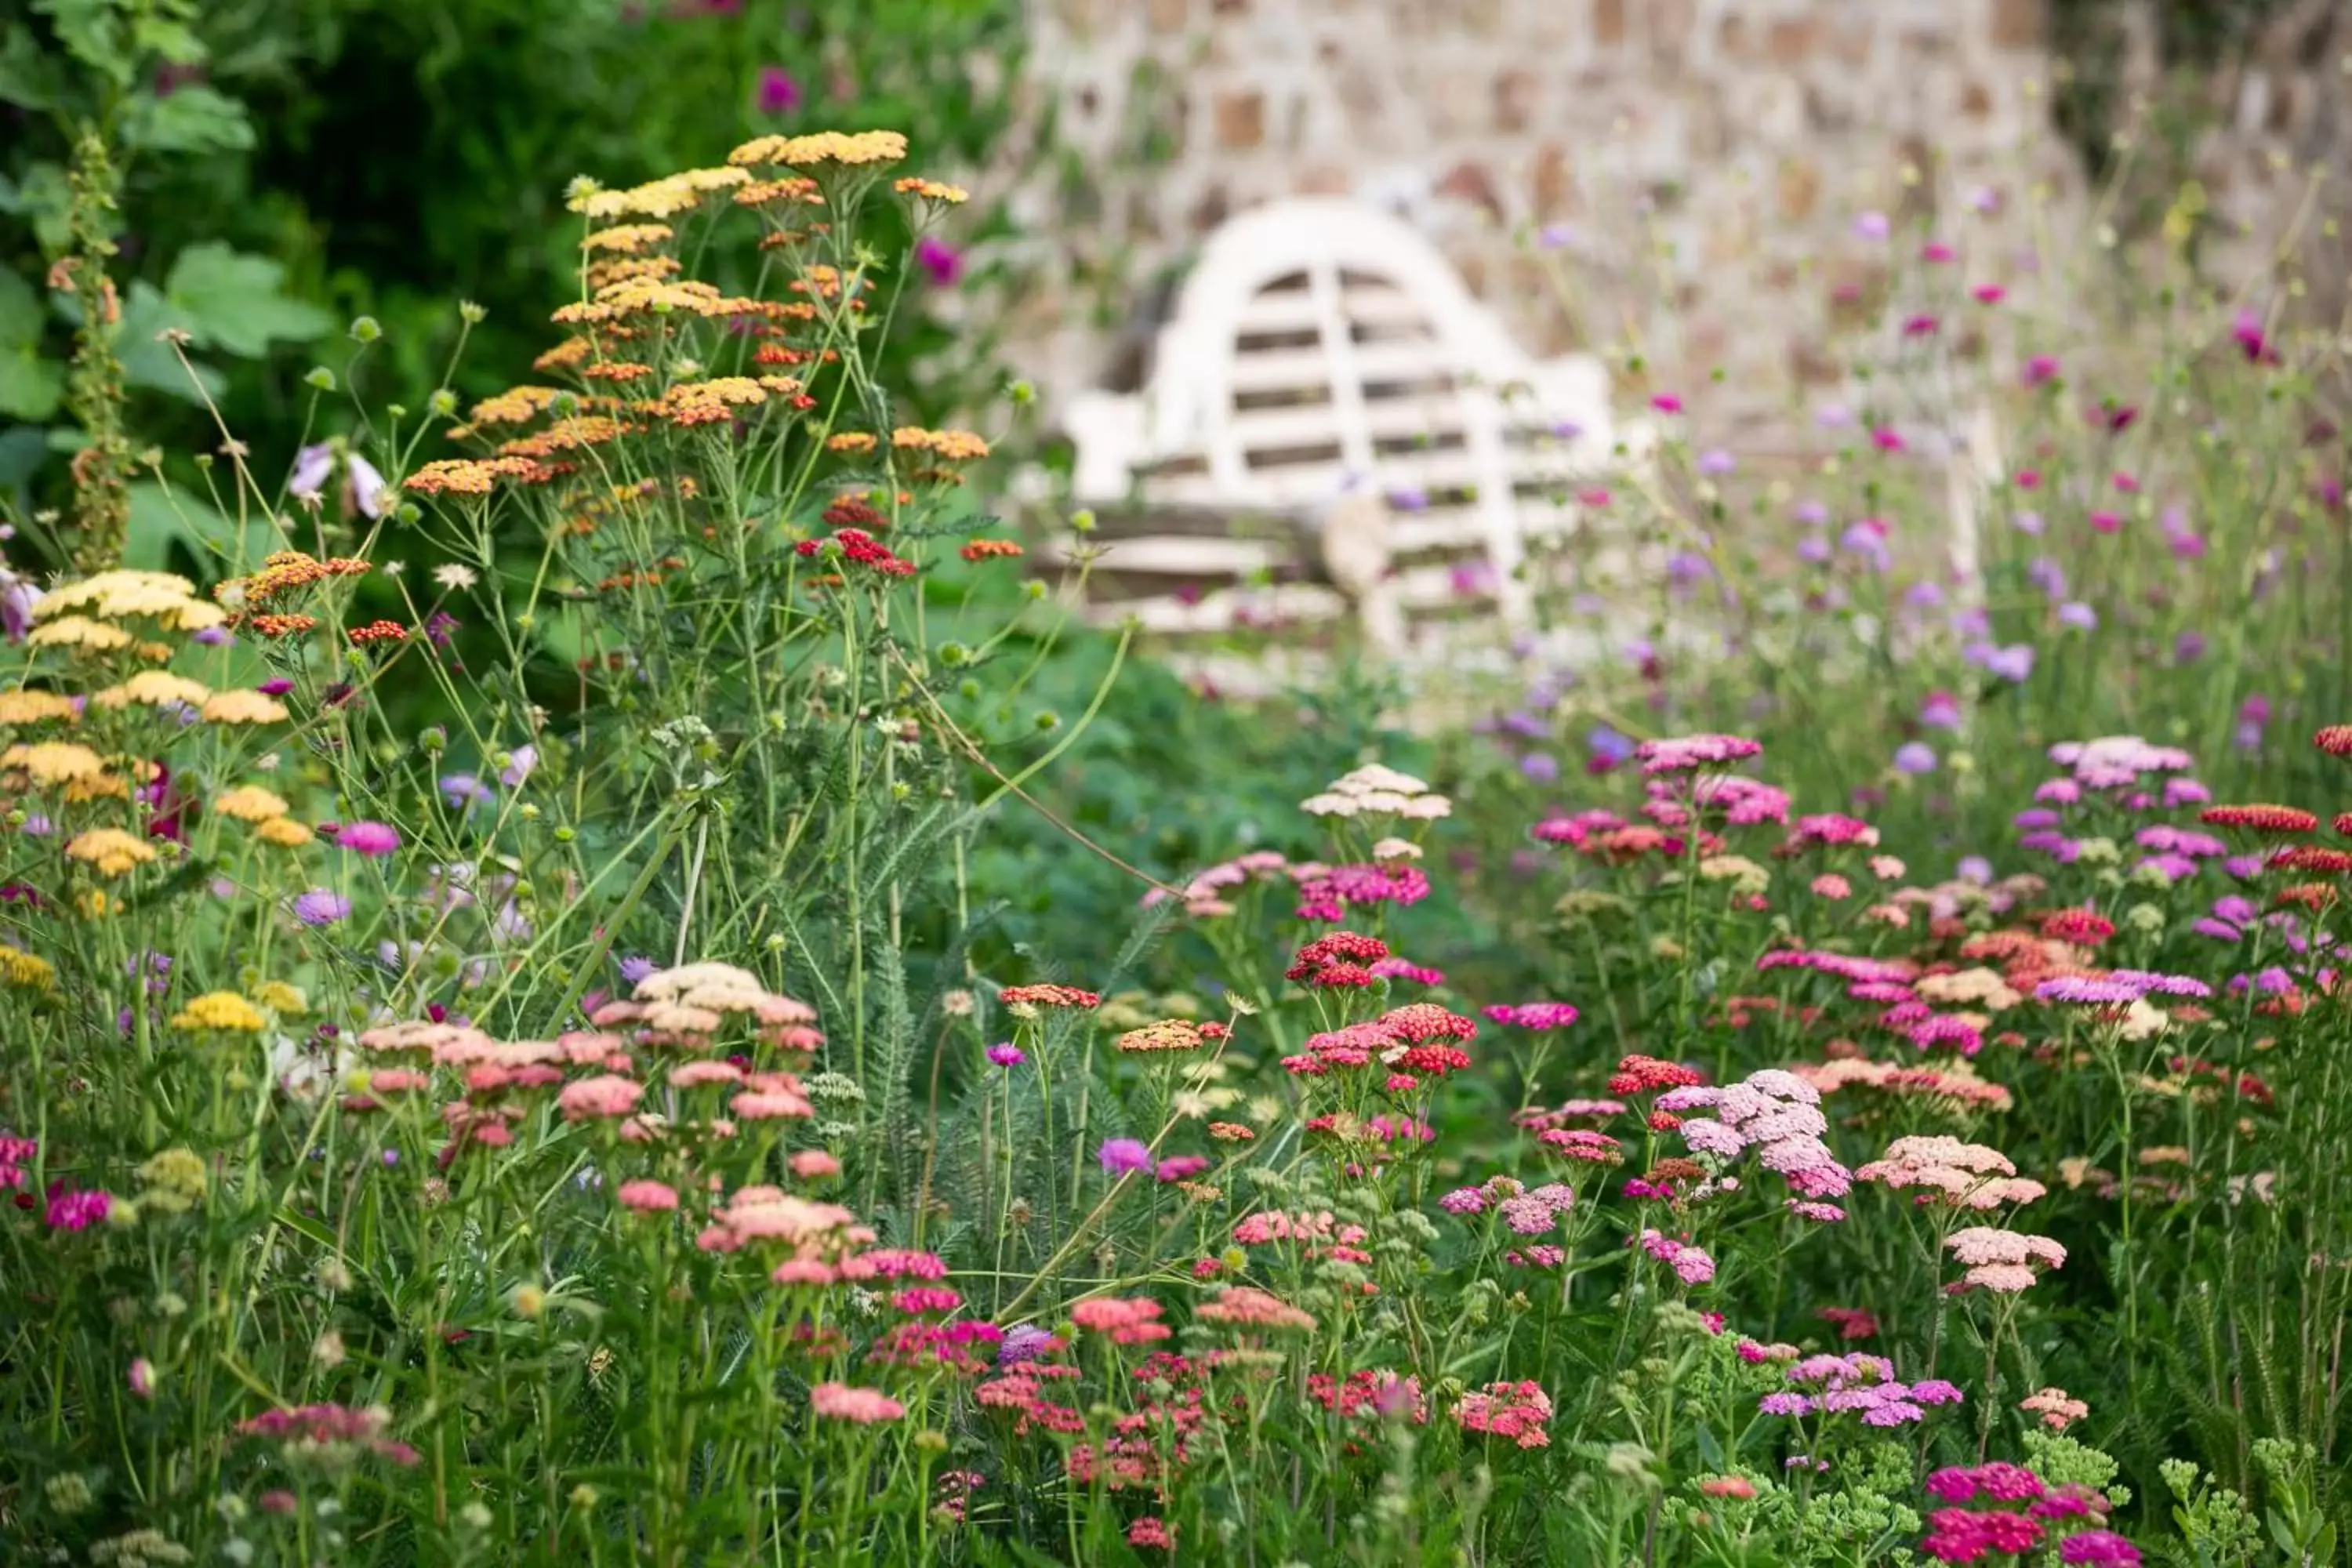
<point>2259,819</point>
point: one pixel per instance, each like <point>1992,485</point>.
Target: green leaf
<point>23,450</point>
<point>29,384</point>
<point>233,302</point>
<point>161,517</point>
<point>29,78</point>
<point>148,363</point>
<point>91,32</point>
<point>191,118</point>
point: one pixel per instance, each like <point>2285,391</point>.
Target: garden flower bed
<point>536,1078</point>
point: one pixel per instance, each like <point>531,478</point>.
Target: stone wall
<point>1686,174</point>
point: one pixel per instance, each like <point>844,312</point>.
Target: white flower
<point>1427,807</point>
<point>394,568</point>
<point>1328,805</point>
<point>454,577</point>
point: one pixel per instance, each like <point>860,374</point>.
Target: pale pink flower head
<point>1690,754</point>
<point>605,1095</point>
<point>839,1402</point>
<point>647,1196</point>
<point>2057,1408</point>
<point>814,1164</point>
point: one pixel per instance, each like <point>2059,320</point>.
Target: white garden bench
<point>1326,372</point>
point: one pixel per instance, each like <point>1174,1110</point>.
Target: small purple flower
<point>1557,235</point>
<point>2079,616</point>
<point>1941,711</point>
<point>778,92</point>
<point>634,969</point>
<point>1914,757</point>
<point>364,490</point>
<point>322,907</point>
<point>1540,767</point>
<point>520,762</point>
<point>463,792</point>
<point>2188,648</point>
<point>1123,1156</point>
<point>1022,1342</point>
<point>18,597</point>
<point>1715,460</point>
<point>1976,868</point>
<point>1872,226</point>
<point>1005,1053</point>
<point>934,256</point>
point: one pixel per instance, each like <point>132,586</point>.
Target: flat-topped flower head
<point>1048,995</point>
<point>2259,819</point>
<point>1690,753</point>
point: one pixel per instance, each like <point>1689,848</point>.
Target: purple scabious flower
<point>1914,757</point>
<point>463,792</point>
<point>778,93</point>
<point>1123,1156</point>
<point>934,256</point>
<point>1022,1342</point>
<point>2078,615</point>
<point>1005,1053</point>
<point>520,762</point>
<point>322,907</point>
<point>634,969</point>
<point>373,839</point>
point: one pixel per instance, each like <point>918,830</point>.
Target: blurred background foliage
<point>289,165</point>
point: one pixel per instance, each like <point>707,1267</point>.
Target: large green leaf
<point>234,301</point>
<point>162,516</point>
<point>29,384</point>
<point>191,118</point>
<point>29,78</point>
<point>150,363</point>
<point>91,31</point>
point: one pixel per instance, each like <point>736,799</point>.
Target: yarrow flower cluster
<point>1690,754</point>
<point>1516,1411</point>
<point>1772,1111</point>
<point>1376,791</point>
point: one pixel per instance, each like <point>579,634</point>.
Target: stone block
<point>1240,119</point>
<point>1609,23</point>
<point>1793,41</point>
<point>2019,23</point>
<point>1552,184</point>
<point>1168,16</point>
<point>1515,99</point>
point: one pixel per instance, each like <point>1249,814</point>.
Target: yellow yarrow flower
<point>24,971</point>
<point>243,706</point>
<point>111,850</point>
<point>55,762</point>
<point>35,707</point>
<point>284,832</point>
<point>176,1178</point>
<point>627,239</point>
<point>153,689</point>
<point>280,997</point>
<point>75,631</point>
<point>222,1010</point>
<point>249,803</point>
